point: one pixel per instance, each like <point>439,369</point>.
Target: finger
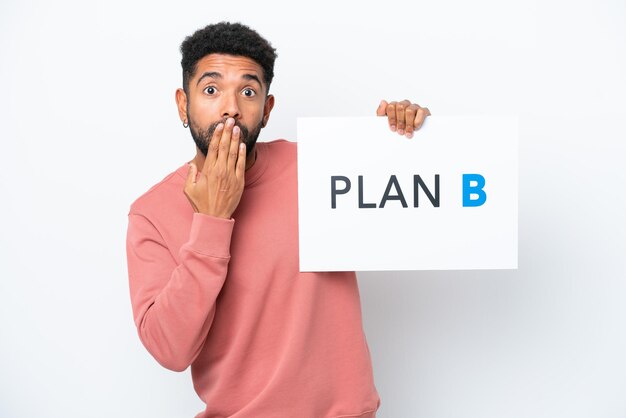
<point>400,115</point>
<point>214,146</point>
<point>240,169</point>
<point>233,152</point>
<point>190,183</point>
<point>421,115</point>
<point>391,115</point>
<point>409,119</point>
<point>224,148</point>
<point>382,107</point>
<point>191,176</point>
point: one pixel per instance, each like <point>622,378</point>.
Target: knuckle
<point>217,173</point>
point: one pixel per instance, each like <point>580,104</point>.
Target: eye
<point>210,90</point>
<point>248,92</point>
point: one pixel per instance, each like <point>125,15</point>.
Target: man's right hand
<point>216,190</point>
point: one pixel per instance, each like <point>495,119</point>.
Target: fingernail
<point>401,131</point>
<point>236,130</point>
<point>242,145</point>
<point>393,128</point>
<point>220,125</point>
<point>409,135</point>
<point>230,122</point>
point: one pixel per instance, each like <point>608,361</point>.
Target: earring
<point>185,124</point>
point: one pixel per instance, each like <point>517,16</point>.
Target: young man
<point>213,254</point>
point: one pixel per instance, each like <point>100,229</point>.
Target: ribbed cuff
<point>211,235</point>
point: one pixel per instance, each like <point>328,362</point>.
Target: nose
<point>230,106</point>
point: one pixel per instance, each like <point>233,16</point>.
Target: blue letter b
<point>468,190</point>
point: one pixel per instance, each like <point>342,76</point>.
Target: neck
<point>200,158</point>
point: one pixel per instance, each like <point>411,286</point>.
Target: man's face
<point>227,86</point>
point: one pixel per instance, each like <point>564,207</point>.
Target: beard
<point>202,137</point>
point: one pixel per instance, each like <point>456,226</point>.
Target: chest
<point>266,222</point>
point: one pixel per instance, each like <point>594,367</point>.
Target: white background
<point>88,122</point>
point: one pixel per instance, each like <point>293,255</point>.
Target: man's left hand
<point>404,117</point>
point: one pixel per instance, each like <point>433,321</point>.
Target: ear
<point>269,105</point>
<point>181,103</point>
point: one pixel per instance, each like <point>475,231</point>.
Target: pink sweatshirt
<point>227,298</point>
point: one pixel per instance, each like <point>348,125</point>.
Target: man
<point>213,254</point>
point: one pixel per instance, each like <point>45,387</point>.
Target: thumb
<point>191,174</point>
<point>382,108</point>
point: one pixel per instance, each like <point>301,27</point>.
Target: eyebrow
<point>216,75</point>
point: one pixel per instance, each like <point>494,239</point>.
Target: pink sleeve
<point>174,304</point>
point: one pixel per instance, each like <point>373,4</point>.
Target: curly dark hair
<point>226,38</point>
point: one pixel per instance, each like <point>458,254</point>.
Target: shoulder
<point>281,149</point>
<point>163,194</point>
<point>281,145</point>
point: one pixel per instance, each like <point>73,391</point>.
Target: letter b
<point>477,189</point>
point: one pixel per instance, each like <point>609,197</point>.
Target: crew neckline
<point>252,175</point>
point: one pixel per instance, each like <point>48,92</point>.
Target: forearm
<point>174,304</point>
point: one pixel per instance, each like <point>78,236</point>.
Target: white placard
<point>369,200</point>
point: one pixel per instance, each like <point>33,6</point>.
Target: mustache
<point>202,137</point>
<point>243,135</point>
